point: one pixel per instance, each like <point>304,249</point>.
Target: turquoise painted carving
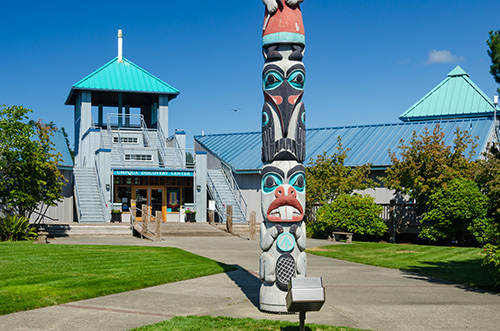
<point>286,242</point>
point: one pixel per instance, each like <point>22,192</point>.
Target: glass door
<point>141,198</point>
<point>156,201</point>
<point>152,197</point>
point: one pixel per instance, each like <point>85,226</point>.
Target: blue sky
<point>367,61</point>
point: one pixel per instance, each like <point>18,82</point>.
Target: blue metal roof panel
<point>60,146</point>
<point>367,143</point>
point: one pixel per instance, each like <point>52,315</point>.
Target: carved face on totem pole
<point>283,191</point>
<point>283,114</point>
<point>283,79</point>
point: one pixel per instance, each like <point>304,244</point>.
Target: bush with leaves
<point>327,177</point>
<point>488,180</point>
<point>15,228</point>
<point>427,163</point>
<point>356,213</point>
<point>493,258</point>
<point>457,211</point>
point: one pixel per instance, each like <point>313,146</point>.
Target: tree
<point>488,180</point>
<point>494,53</point>
<point>427,164</point>
<point>327,177</point>
<point>352,213</point>
<point>29,176</point>
<point>457,212</point>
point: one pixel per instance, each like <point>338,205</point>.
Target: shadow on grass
<point>247,282</point>
<point>469,275</point>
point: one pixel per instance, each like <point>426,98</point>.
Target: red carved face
<point>283,191</point>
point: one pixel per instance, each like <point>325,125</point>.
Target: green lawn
<point>33,276</point>
<point>457,264</point>
<point>233,324</point>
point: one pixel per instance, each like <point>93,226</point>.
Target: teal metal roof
<point>123,77</point>
<point>455,97</point>
<point>367,143</point>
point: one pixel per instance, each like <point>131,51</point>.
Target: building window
<point>138,157</point>
<point>127,140</point>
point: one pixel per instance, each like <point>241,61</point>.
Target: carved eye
<point>297,79</point>
<point>270,182</point>
<point>298,181</point>
<point>265,119</point>
<point>272,80</point>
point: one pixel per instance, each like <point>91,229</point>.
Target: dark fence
<point>400,217</point>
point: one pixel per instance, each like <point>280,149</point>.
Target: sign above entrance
<point>153,173</point>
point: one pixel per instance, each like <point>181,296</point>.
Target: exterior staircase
<point>88,197</point>
<point>223,195</point>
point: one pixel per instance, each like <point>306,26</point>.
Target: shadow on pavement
<point>464,274</point>
<point>247,282</point>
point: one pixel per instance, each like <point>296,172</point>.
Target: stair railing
<point>145,132</point>
<point>104,206</point>
<point>220,208</point>
<point>163,144</point>
<point>235,189</point>
<point>78,211</point>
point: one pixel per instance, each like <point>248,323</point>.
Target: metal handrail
<point>219,204</point>
<point>163,143</point>
<point>78,211</point>
<point>104,205</point>
<point>235,189</point>
<point>163,147</point>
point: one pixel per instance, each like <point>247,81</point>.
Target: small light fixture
<point>495,100</point>
<point>198,187</point>
<point>108,187</point>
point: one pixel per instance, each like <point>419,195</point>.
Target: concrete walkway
<point>357,295</point>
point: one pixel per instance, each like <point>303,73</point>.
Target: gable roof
<point>123,77</point>
<point>455,97</point>
<point>367,143</point>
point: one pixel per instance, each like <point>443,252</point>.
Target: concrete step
<point>86,230</point>
<point>173,229</point>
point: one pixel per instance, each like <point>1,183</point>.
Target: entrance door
<point>152,197</point>
<point>141,197</point>
<point>156,201</point>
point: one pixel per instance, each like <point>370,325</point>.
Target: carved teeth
<point>286,213</point>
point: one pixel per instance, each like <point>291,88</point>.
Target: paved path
<point>357,295</point>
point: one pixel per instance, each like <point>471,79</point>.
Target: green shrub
<point>457,212</point>
<point>352,213</point>
<point>14,228</point>
<point>493,258</point>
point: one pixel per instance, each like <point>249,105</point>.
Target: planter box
<point>116,217</point>
<point>191,217</point>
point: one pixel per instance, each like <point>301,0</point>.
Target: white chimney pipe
<point>120,46</point>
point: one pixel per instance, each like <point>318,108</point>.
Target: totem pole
<point>283,232</point>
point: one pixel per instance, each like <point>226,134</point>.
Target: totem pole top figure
<point>283,23</point>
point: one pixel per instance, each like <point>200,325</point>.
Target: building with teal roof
<point>455,97</point>
<point>124,154</point>
<point>457,102</point>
